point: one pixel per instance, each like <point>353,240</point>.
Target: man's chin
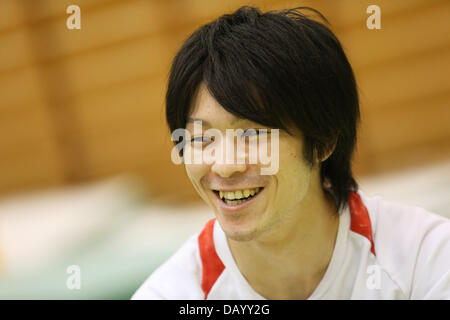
<point>242,227</point>
<point>240,233</point>
<point>240,237</point>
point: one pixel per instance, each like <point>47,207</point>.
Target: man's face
<point>276,197</point>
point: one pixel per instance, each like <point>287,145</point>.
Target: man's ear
<point>328,153</point>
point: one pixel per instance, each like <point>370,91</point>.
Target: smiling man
<point>304,231</point>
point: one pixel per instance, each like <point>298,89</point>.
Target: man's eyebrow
<point>206,123</point>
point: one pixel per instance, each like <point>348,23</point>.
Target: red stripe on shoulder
<point>212,266</point>
<point>360,219</point>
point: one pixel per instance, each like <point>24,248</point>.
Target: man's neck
<point>290,262</point>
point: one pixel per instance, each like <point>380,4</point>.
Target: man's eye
<point>250,133</point>
<point>254,132</point>
<point>201,139</point>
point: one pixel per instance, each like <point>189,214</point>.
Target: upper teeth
<point>238,194</point>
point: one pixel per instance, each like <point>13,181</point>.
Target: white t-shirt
<point>383,250</point>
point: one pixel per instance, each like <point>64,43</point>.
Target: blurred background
<point>85,172</point>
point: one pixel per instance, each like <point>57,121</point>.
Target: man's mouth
<point>237,197</point>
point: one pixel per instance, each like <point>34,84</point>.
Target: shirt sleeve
<point>147,293</point>
<point>432,274</point>
<point>179,278</point>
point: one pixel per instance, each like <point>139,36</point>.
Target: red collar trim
<point>360,219</point>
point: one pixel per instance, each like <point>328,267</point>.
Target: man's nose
<point>231,160</point>
<point>226,170</point>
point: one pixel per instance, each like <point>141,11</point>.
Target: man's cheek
<point>195,171</point>
<point>195,174</point>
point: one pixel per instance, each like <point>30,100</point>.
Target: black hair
<point>281,69</point>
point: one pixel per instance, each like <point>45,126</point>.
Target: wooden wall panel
<point>402,35</point>
<point>30,158</point>
<point>41,11</point>
<point>391,85</point>
<point>11,59</point>
<point>409,125</point>
<point>78,105</point>
<point>20,89</point>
